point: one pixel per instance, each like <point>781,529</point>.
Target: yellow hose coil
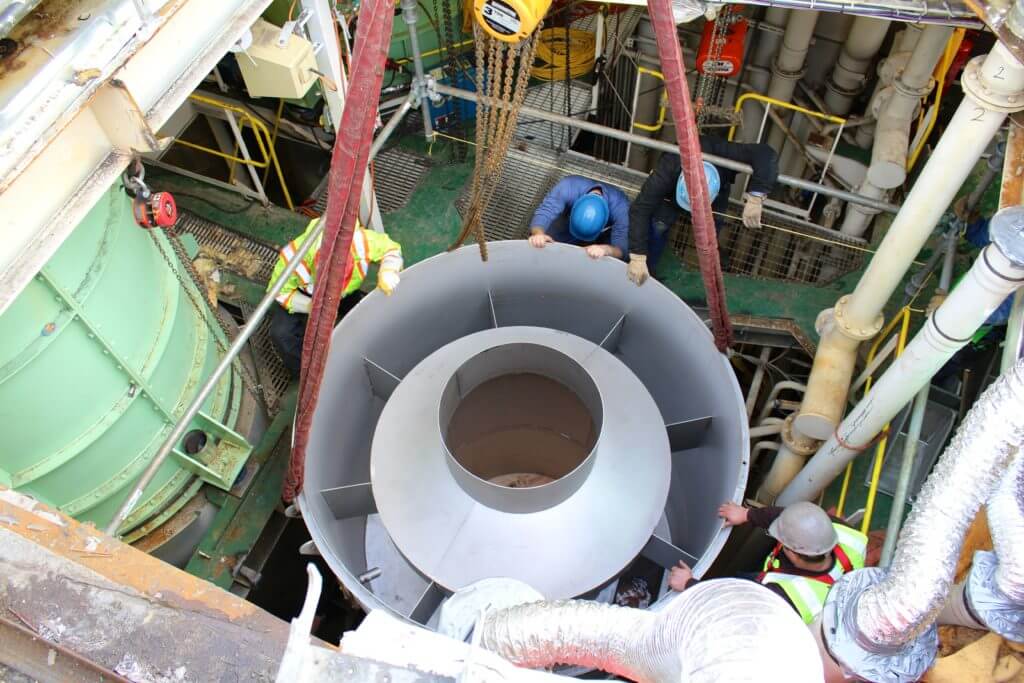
<point>550,64</point>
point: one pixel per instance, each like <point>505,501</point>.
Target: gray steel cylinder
<point>535,416</point>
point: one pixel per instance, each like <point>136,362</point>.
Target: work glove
<point>596,251</point>
<point>539,239</point>
<point>637,270</point>
<point>388,273</point>
<point>679,576</point>
<point>752,210</point>
<point>301,303</point>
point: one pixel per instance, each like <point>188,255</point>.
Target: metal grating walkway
<point>254,261</point>
<point>397,174</point>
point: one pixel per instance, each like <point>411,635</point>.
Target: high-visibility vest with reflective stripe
<point>368,246</point>
<point>808,593</point>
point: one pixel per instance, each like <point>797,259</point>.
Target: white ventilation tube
<point>1006,522</point>
<point>721,630</point>
<point>908,600</point>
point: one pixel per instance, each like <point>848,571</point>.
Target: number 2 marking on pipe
<point>999,74</point>
<point>978,113</point>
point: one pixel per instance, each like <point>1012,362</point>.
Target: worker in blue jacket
<point>584,212</point>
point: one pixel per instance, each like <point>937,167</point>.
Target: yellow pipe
<point>785,105</point>
<point>431,53</point>
<point>661,110</point>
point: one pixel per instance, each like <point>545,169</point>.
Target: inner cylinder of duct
<point>520,425</point>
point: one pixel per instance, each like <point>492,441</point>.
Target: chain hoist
<point>444,8</point>
<point>502,75</point>
<point>720,56</point>
<point>158,210</point>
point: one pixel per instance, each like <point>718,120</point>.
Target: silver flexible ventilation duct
<point>1006,522</point>
<point>722,630</point>
<point>907,601</point>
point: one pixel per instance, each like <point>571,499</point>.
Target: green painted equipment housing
<point>99,355</point>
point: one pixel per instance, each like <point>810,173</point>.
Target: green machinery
<point>99,355</point>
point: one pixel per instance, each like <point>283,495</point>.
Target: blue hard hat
<point>588,217</point>
<point>714,185</point>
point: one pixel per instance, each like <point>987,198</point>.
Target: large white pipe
<point>888,70</point>
<point>859,48</point>
<point>856,221</point>
<point>788,67</point>
<point>722,630</point>
<point>767,45</point>
<point>889,154</point>
<point>997,273</point>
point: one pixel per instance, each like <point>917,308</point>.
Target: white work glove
<point>301,303</point>
<point>752,210</point>
<point>596,251</point>
<point>387,275</point>
<point>637,270</point>
<point>539,239</point>
<point>679,576</point>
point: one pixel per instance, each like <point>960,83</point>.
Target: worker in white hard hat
<point>812,552</point>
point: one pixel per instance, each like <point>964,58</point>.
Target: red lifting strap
<point>693,168</point>
<point>348,167</point>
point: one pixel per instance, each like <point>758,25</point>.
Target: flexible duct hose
<point>552,54</point>
<point>722,630</point>
<point>906,603</point>
<point>1006,521</point>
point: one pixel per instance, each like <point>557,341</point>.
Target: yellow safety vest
<point>808,593</point>
<point>368,246</point>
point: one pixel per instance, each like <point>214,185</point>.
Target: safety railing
<point>769,103</point>
<point>901,319</point>
<point>662,103</point>
<point>237,118</point>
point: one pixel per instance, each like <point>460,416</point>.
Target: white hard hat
<point>804,528</point>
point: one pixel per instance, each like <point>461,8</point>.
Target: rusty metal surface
<point>1011,192</point>
<point>122,609</point>
<point>25,651</point>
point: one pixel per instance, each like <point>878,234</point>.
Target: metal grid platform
<point>779,250</point>
<point>254,261</point>
<point>551,97</point>
<point>397,173</point>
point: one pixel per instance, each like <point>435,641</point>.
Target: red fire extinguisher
<point>727,60</point>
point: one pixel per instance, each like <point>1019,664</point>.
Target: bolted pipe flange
<point>798,443</point>
<point>977,87</point>
<point>857,656</point>
<point>1007,232</point>
<point>837,89</point>
<point>847,330</point>
<point>913,93</point>
<point>990,605</point>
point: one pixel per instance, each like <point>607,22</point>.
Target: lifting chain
<point>444,8</point>
<point>711,86</point>
<point>142,196</point>
<point>507,69</point>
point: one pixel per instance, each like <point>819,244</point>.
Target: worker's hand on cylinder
<point>679,576</point>
<point>596,251</point>
<point>733,514</point>
<point>387,280</point>
<point>637,270</point>
<point>539,238</point>
<point>752,210</point>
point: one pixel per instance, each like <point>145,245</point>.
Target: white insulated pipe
<point>856,220</point>
<point>997,272</point>
<point>722,630</point>
<point>993,87</point>
<point>889,154</point>
<point>788,67</point>
<point>859,49</point>
<point>763,53</point>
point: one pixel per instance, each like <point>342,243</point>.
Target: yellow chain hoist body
<point>510,21</point>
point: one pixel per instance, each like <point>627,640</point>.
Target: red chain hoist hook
<point>150,209</point>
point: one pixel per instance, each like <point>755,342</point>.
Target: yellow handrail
<point>903,320</point>
<point>261,134</point>
<point>785,105</point>
<point>940,76</point>
<point>661,111</point>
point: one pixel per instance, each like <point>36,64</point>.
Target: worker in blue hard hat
<point>664,195</point>
<point>584,212</point>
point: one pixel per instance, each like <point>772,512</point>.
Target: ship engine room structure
<point>668,341</point>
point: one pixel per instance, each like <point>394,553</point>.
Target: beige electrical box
<point>271,70</point>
